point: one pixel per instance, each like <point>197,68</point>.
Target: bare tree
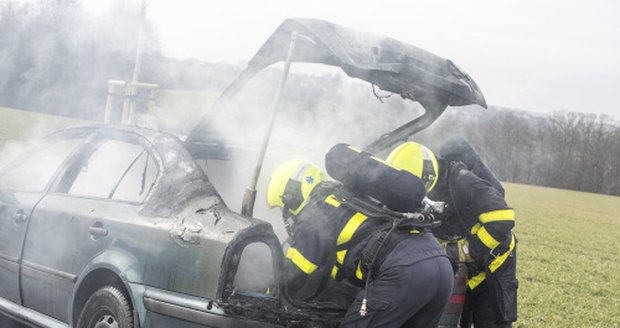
<point>564,150</point>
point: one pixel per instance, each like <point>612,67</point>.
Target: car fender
<point>124,265</point>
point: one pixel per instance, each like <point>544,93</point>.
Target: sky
<point>533,55</point>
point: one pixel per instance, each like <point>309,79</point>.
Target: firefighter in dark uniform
<point>476,229</point>
<point>406,284</point>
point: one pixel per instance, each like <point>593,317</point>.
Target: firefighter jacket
<point>328,239</point>
<point>478,212</point>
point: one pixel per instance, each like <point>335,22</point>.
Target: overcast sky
<point>534,55</point>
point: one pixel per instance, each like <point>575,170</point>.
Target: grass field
<point>568,257</point>
<point>19,125</point>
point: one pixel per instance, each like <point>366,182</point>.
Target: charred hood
<point>389,64</point>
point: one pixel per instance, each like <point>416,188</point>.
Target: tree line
<point>564,149</point>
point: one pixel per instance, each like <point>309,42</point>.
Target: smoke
<point>62,57</point>
<point>56,57</point>
<point>316,112</point>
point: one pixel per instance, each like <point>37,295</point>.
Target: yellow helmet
<point>418,160</point>
<point>291,183</point>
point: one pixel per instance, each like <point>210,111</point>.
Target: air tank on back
<point>364,174</point>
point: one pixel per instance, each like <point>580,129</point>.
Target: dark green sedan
<point>112,226</point>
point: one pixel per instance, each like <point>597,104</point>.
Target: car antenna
<point>249,197</point>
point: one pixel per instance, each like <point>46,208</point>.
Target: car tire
<point>108,307</point>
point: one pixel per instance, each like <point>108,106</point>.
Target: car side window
<point>32,171</point>
<point>117,170</point>
<point>138,180</point>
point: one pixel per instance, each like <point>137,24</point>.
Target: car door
<point>87,213</point>
<point>23,182</point>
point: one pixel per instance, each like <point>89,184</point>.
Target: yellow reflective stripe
<point>495,264</point>
<point>486,238</point>
<point>349,229</point>
<point>301,261</point>
<point>358,272</point>
<point>354,149</point>
<point>341,255</point>
<point>475,228</point>
<point>476,280</point>
<point>498,215</point>
<point>498,261</point>
<point>301,207</point>
<point>334,272</point>
<point>331,200</point>
<point>414,231</point>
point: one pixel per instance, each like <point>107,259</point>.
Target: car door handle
<point>98,232</point>
<point>19,216</point>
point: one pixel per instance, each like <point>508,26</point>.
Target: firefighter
<point>477,230</point>
<point>404,274</point>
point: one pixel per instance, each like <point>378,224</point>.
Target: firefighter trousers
<point>412,295</point>
<point>493,303</point>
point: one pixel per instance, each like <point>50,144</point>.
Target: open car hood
<point>391,65</point>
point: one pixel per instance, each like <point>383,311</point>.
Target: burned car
<point>120,226</point>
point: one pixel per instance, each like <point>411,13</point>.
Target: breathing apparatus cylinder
<point>362,173</point>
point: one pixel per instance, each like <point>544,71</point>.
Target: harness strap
<point>326,270</point>
<point>499,255</point>
<point>379,246</point>
<point>503,247</point>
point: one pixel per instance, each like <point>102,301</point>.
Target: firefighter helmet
<point>417,159</point>
<point>290,185</point>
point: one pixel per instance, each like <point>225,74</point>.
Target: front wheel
<point>108,307</point>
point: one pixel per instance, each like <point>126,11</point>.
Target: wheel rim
<point>105,320</point>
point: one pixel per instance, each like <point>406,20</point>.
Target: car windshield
<point>33,170</point>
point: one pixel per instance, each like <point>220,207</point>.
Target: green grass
<point>18,128</point>
<point>568,257</point>
<point>20,125</point>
